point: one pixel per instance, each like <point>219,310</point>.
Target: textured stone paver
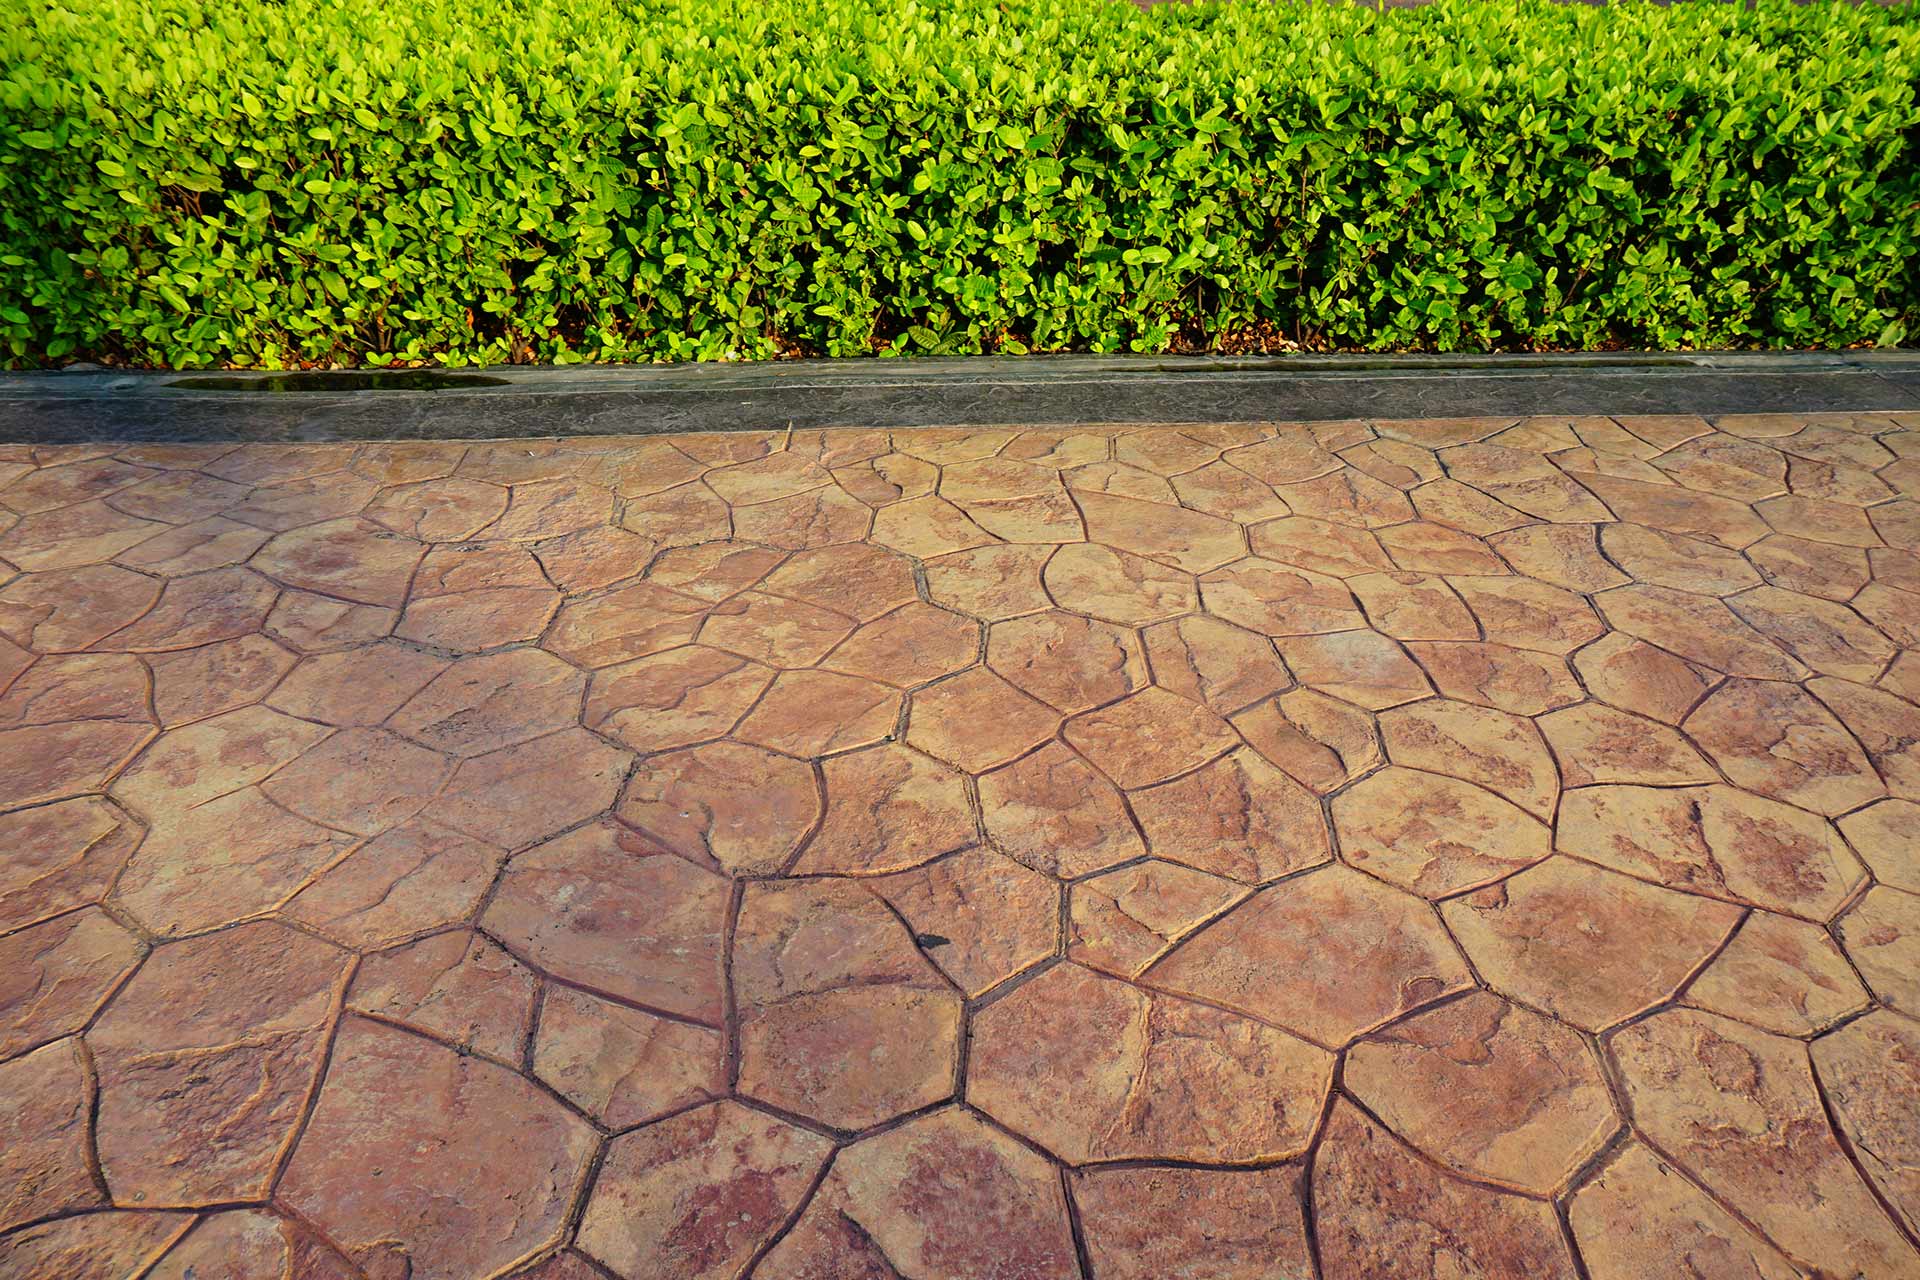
<point>1474,848</point>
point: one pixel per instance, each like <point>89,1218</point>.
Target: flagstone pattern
<point>1436,849</point>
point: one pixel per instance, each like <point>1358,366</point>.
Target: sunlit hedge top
<point>483,180</point>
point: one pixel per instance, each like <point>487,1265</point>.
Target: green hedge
<point>191,182</point>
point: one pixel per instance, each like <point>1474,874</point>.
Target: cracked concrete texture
<point>1435,848</point>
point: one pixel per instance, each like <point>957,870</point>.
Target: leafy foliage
<point>190,182</point>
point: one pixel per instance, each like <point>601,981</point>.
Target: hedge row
<point>275,182</point>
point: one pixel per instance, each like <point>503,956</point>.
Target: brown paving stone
<point>525,793</point>
<point>1501,752</point>
<point>776,631</point>
<point>212,543</point>
<point>193,684</point>
<point>410,1109</point>
<point>1124,480</point>
<point>1414,606</point>
<point>1013,501</point>
<point>674,699</point>
<point>551,509</point>
<point>179,497</point>
<point>55,761</point>
<point>1781,974</point>
<point>1527,613</point>
<point>1595,743</point>
<point>359,780</point>
<point>741,808</point>
<point>1739,1108</point>
<point>1729,522</point>
<point>1200,1224</point>
<point>402,882</point>
<point>1677,561</point>
<point>944,1197</point>
<point>1727,466</point>
<point>1189,540</point>
<point>94,1246</point>
<point>1238,816</point>
<point>888,478</point>
<point>237,1243</point>
<point>1836,482</point>
<point>1361,667</point>
<point>1286,458</point>
<point>1818,521</point>
<point>621,1066</point>
<point>457,987</point>
<point>1899,569</point>
<point>1348,497</point>
<point>1067,661</point>
<point>1881,934</point>
<point>1870,1070</point>
<point>45,1121</point>
<point>1149,737</point>
<point>1488,1089</point>
<point>482,703</point>
<point>977,721</point>
<point>1465,508</point>
<point>438,510</point>
<point>912,645</point>
<point>1714,840</point>
<point>77,687</point>
<point>1586,945</point>
<point>1898,523</point>
<point>61,856</point>
<point>990,582</point>
<point>820,519</point>
<point>1524,481</point>
<point>353,559</point>
<point>1054,813</point>
<point>1638,677</point>
<point>1887,835</point>
<point>817,713</point>
<point>762,479</point>
<point>1221,489</point>
<point>1564,555</point>
<point>312,623</point>
<point>189,766</point>
<point>862,581</point>
<point>1223,667</point>
<point>1093,1068</point>
<point>713,571</point>
<point>1780,741</point>
<point>1498,675</point>
<point>481,597</point>
<point>202,1081</point>
<point>1122,921</point>
<point>631,622</point>
<point>62,486</point>
<point>1329,955</point>
<point>1640,1216</point>
<point>1420,547</point>
<point>592,558</point>
<point>54,976</point>
<point>1895,613</point>
<point>1830,638</point>
<point>88,533</point>
<point>1380,1210</point>
<point>1320,546</point>
<point>558,901</point>
<point>304,501</point>
<point>926,527</point>
<point>1887,726</point>
<point>980,916</point>
<point>1316,740</point>
<point>842,1019</point>
<point>1117,586</point>
<point>1698,629</point>
<point>71,609</point>
<point>360,686</point>
<point>1396,462</point>
<point>888,808</point>
<point>1434,835</point>
<point>679,517</point>
<point>1278,600</point>
<point>1816,568</point>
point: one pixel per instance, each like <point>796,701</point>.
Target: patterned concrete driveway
<point>1439,849</point>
